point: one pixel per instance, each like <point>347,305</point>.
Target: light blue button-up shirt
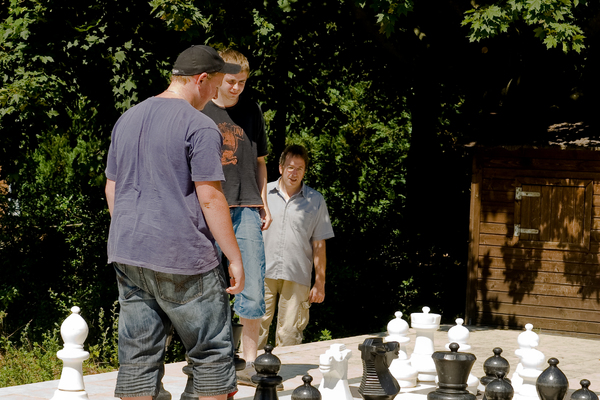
<point>296,224</point>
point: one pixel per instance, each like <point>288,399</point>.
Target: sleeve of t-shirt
<point>323,229</point>
<point>261,136</point>
<point>205,155</point>
<point>111,160</point>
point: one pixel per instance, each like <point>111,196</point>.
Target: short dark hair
<point>294,150</point>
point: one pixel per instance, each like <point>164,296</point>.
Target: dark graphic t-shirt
<point>244,140</point>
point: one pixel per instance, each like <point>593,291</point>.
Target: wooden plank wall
<point>557,290</point>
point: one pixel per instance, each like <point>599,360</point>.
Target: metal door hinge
<point>518,230</point>
<point>519,194</point>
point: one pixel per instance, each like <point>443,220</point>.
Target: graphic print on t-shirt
<point>231,135</point>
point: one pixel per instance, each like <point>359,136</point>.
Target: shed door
<point>553,213</point>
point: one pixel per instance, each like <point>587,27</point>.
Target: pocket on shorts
<point>127,288</point>
<point>303,315</point>
<point>178,289</point>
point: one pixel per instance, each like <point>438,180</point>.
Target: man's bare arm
<point>216,212</point>
<point>261,180</point>
<point>109,190</point>
<point>317,293</point>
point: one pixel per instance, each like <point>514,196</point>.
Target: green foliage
<point>388,12</point>
<point>554,21</point>
<point>26,362</point>
<point>105,350</point>
<point>325,335</point>
<point>180,15</point>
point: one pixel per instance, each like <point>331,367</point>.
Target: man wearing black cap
<point>164,194</point>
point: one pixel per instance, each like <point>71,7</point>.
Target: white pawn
<point>460,334</point>
<point>425,324</point>
<point>401,369</point>
<point>333,364</point>
<point>526,340</point>
<point>533,362</point>
<point>74,331</point>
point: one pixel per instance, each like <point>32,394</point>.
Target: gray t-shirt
<point>159,148</point>
<point>296,224</point>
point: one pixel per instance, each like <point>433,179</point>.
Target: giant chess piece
<point>401,369</point>
<point>74,331</point>
<point>460,334</point>
<point>499,388</point>
<point>532,361</point>
<point>552,384</point>
<point>333,364</point>
<point>492,366</point>
<point>584,393</point>
<point>377,382</point>
<point>425,324</point>
<point>267,367</point>
<point>453,370</point>
<point>526,340</point>
<point>306,391</point>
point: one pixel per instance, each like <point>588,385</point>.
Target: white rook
<point>74,331</point>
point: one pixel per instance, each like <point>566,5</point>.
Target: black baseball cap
<point>198,59</point>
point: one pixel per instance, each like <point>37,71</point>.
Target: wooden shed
<point>534,250</point>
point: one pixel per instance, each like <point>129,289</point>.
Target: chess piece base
<point>449,394</point>
<point>66,395</point>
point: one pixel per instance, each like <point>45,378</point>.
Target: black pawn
<point>552,384</point>
<point>377,381</point>
<point>499,388</point>
<point>493,365</point>
<point>306,391</point>
<point>584,393</point>
<point>267,366</point>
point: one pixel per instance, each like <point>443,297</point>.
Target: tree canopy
<point>382,93</point>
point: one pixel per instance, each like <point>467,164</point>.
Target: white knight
<point>333,364</point>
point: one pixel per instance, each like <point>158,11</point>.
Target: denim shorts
<point>197,306</point>
<point>250,303</point>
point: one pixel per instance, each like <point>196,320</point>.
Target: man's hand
<point>265,217</point>
<point>317,294</point>
<point>237,279</point>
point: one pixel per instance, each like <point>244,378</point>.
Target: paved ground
<point>579,359</point>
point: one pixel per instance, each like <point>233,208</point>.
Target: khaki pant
<point>291,299</point>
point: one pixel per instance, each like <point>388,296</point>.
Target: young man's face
<point>292,172</point>
<point>233,86</point>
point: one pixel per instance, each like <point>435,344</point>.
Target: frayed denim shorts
<point>197,306</point>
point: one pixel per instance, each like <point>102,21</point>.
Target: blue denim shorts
<point>250,303</point>
<point>197,306</point>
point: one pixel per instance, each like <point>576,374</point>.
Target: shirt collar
<point>301,192</point>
